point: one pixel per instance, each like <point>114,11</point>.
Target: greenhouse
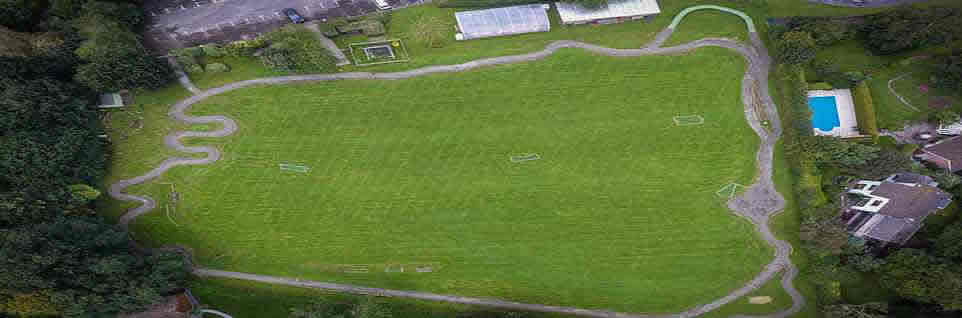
<point>502,21</point>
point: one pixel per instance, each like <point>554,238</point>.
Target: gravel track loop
<point>757,204</point>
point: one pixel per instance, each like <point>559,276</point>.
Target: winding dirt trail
<point>757,204</point>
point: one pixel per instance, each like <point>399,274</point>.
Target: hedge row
<point>798,117</point>
<point>865,109</point>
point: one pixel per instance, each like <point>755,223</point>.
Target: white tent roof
<point>572,13</point>
<point>502,21</point>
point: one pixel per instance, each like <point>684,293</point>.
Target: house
<point>946,153</point>
<point>615,11</point>
<point>485,23</point>
<point>892,210</point>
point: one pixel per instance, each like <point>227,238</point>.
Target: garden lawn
<point>708,23</point>
<point>416,173</point>
<point>136,134</point>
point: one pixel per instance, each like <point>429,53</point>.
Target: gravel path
<point>896,94</point>
<point>757,204</point>
<point>329,45</point>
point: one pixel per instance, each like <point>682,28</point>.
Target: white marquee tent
<point>502,21</point>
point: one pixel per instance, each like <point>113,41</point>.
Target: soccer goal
<point>525,157</point>
<point>294,168</point>
<point>729,191</point>
<point>688,120</point>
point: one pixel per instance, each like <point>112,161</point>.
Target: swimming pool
<point>824,113</point>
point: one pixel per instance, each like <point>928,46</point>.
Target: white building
<point>615,11</point>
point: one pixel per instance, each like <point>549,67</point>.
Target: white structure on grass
<point>848,125</point>
<point>502,21</point>
<point>950,129</point>
<point>111,100</point>
<point>615,11</point>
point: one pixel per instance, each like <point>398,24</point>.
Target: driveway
<point>182,23</point>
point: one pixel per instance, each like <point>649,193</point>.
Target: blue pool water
<point>824,113</point>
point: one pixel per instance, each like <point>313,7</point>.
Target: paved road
<point>180,23</point>
<point>757,204</point>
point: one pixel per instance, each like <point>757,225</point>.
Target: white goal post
<point>688,120</point>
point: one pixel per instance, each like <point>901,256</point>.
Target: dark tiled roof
<point>949,149</point>
<point>907,177</point>
<point>858,220</point>
<point>892,229</point>
<point>914,202</point>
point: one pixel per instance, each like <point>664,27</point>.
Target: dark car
<point>293,15</point>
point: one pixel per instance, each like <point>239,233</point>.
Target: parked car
<point>293,15</point>
<point>382,4</point>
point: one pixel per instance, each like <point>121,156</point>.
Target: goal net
<point>294,168</point>
<point>688,120</point>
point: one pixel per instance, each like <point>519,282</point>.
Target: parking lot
<point>181,23</point>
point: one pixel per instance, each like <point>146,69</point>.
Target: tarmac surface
<point>184,23</point>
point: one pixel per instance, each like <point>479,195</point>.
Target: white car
<point>382,4</point>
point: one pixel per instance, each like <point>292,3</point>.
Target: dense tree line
<point>57,256</point>
<point>369,307</point>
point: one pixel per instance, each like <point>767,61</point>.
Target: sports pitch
<point>418,184</point>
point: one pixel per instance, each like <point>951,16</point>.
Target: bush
<point>296,49</point>
<point>125,71</point>
<point>795,47</point>
<point>244,48</point>
<point>825,31</point>
<point>187,58</point>
<point>865,110</point>
<point>820,86</point>
<point>212,50</point>
<point>193,68</point>
<point>217,68</point>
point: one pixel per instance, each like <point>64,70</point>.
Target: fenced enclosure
<point>379,52</point>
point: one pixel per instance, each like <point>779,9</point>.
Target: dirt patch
<point>759,300</point>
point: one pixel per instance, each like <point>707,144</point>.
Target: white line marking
<point>182,7</point>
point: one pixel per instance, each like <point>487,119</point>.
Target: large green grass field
<point>620,211</point>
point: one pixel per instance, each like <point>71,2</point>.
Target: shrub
<point>297,49</point>
<point>187,58</point>
<point>124,71</point>
<point>212,50</point>
<point>825,31</point>
<point>946,116</point>
<point>217,68</point>
<point>795,47</point>
<point>244,48</point>
<point>820,86</point>
<point>195,51</point>
<point>865,109</point>
<point>193,68</point>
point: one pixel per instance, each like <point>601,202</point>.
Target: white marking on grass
<point>293,167</point>
<point>729,191</point>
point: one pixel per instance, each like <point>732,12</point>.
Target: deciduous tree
<point>795,47</point>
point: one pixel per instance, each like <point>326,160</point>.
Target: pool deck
<point>847,127</point>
